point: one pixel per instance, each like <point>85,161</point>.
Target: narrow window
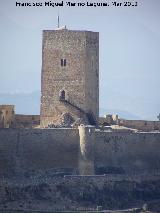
<point>63,62</point>
<point>63,95</point>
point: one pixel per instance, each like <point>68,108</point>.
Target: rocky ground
<point>75,194</point>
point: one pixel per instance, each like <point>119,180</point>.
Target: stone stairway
<point>81,113</point>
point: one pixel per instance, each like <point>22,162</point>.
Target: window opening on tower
<point>63,62</point>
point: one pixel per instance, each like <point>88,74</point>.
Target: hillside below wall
<point>72,194</point>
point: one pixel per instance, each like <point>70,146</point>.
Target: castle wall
<point>29,151</point>
<point>141,124</point>
<point>26,120</point>
<point>127,152</point>
<point>86,152</point>
<point>34,151</point>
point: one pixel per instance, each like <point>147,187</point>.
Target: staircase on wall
<point>89,116</point>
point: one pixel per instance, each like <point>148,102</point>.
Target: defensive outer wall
<point>86,151</point>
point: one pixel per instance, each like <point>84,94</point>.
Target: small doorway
<point>62,95</point>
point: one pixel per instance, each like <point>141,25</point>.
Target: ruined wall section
<point>7,116</point>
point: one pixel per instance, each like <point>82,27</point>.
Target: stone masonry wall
<point>27,152</point>
<point>7,116</point>
<point>125,153</point>
<point>92,74</point>
<point>141,124</point>
<point>75,78</point>
<point>26,121</point>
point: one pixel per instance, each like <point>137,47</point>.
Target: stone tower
<point>70,75</point>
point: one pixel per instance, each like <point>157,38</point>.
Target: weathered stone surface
<point>25,152</point>
<point>26,121</point>
<point>141,125</point>
<point>7,116</point>
<point>65,120</point>
<point>78,81</point>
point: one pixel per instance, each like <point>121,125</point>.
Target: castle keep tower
<point>70,75</point>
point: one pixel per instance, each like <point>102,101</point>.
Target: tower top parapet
<point>62,28</point>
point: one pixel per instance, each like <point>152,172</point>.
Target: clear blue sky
<point>129,50</point>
